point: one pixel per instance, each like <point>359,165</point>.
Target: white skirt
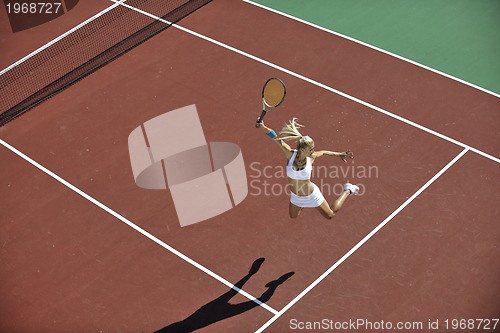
<point>314,199</point>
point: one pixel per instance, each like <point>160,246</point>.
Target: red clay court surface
<point>67,265</point>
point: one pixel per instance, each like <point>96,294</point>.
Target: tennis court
<point>84,249</point>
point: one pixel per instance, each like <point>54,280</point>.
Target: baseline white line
<point>363,241</point>
<point>316,83</point>
<point>117,3</point>
<point>372,47</point>
<point>132,225</point>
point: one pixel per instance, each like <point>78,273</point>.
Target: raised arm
<point>344,156</point>
<point>287,150</point>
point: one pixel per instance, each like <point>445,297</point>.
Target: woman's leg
<point>329,211</point>
<point>325,210</point>
<point>337,204</point>
<point>294,211</point>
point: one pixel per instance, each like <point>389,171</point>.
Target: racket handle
<point>261,118</point>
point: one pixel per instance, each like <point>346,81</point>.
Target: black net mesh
<point>84,50</point>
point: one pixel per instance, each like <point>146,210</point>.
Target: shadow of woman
<point>220,308</point>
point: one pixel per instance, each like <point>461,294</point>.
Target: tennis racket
<point>273,94</point>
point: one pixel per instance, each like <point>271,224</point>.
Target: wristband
<point>272,134</point>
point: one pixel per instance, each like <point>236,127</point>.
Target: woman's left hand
<point>348,154</point>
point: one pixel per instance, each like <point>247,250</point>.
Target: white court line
<point>383,223</point>
<point>316,83</point>
<point>363,241</point>
<point>390,217</point>
<point>156,240</point>
<point>117,3</point>
<point>372,47</point>
<point>132,225</point>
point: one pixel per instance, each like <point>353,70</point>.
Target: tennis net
<point>83,50</point>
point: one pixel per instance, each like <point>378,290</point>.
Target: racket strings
<point>274,92</point>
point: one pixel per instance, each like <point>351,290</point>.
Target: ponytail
<point>291,132</point>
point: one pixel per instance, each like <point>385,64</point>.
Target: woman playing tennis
<point>305,193</point>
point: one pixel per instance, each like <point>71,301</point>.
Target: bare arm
<point>344,155</point>
<point>282,144</point>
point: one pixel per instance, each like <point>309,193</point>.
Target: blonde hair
<point>290,131</point>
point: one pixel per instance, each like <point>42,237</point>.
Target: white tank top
<point>303,174</point>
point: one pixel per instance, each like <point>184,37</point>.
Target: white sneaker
<point>354,189</point>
